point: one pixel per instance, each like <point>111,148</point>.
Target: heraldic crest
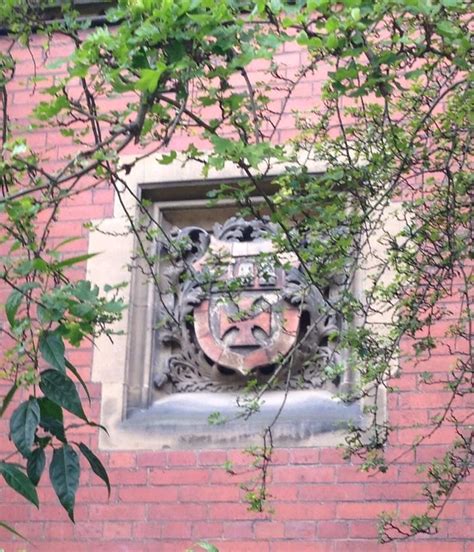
<point>236,311</point>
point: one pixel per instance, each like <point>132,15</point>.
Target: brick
<point>69,545</point>
<point>299,511</point>
<point>212,458</point>
<point>389,491</point>
<point>30,97</point>
<point>331,456</point>
<point>92,494</point>
<point>128,477</point>
<point>304,456</point>
<point>300,474</point>
<point>300,529</point>
<point>289,546</point>
<point>400,455</point>
<point>148,494</point>
<point>443,435</point>
<point>359,546</point>
<point>239,458</point>
<point>84,213</point>
<point>363,529</point>
<point>411,473</point>
<point>181,458</point>
<point>66,230</point>
<point>331,492</point>
<point>206,530</point>
<point>454,508</point>
<point>14,512</point>
<point>242,545</point>
<point>279,457</point>
<point>34,531</point>
<point>80,357</point>
<point>103,197</point>
<point>283,492</point>
<point>469,510</point>
<point>231,511</point>
<point>269,529</point>
<point>238,530</point>
<point>348,510</point>
<point>353,474</point>
<point>406,382</point>
<point>117,512</point>
<point>161,546</point>
<point>90,530</point>
<point>222,477</point>
<point>400,418</point>
<point>209,494</point>
<point>165,477</point>
<point>442,546</point>
<point>332,529</point>
<point>147,530</point>
<point>117,530</point>
<point>427,453</point>
<point>35,141</point>
<point>176,530</point>
<point>56,513</point>
<point>177,511</point>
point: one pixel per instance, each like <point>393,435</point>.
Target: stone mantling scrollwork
<point>237,311</point>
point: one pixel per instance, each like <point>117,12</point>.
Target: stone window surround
<point>123,366</point>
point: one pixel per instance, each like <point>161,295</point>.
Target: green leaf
<point>100,426</point>
<point>52,418</point>
<point>14,301</point>
<point>74,370</point>
<point>73,260</point>
<point>65,242</point>
<point>332,24</point>
<point>355,14</point>
<point>58,62</point>
<point>18,481</point>
<point>45,111</point>
<point>52,349</point>
<point>19,148</point>
<point>207,546</point>
<point>95,464</point>
<point>61,389</point>
<point>7,399</point>
<point>332,41</point>
<point>23,424</point>
<point>167,159</point>
<point>64,473</point>
<point>150,78</point>
<point>416,73</point>
<point>447,29</point>
<point>12,530</point>
<point>175,51</point>
<point>35,465</point>
<point>12,305</point>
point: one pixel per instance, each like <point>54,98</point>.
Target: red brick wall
<point>164,501</point>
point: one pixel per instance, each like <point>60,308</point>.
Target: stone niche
<point>231,312</point>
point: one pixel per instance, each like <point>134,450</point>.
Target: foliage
<point>204,545</point>
<point>392,127</point>
<point>45,311</point>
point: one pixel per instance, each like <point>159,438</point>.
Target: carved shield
<point>252,325</point>
<point>235,308</point>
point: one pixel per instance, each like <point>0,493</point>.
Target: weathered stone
<point>237,313</point>
<point>309,418</point>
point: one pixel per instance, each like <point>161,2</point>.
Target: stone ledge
<point>181,421</point>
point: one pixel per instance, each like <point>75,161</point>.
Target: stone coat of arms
<point>237,310</point>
